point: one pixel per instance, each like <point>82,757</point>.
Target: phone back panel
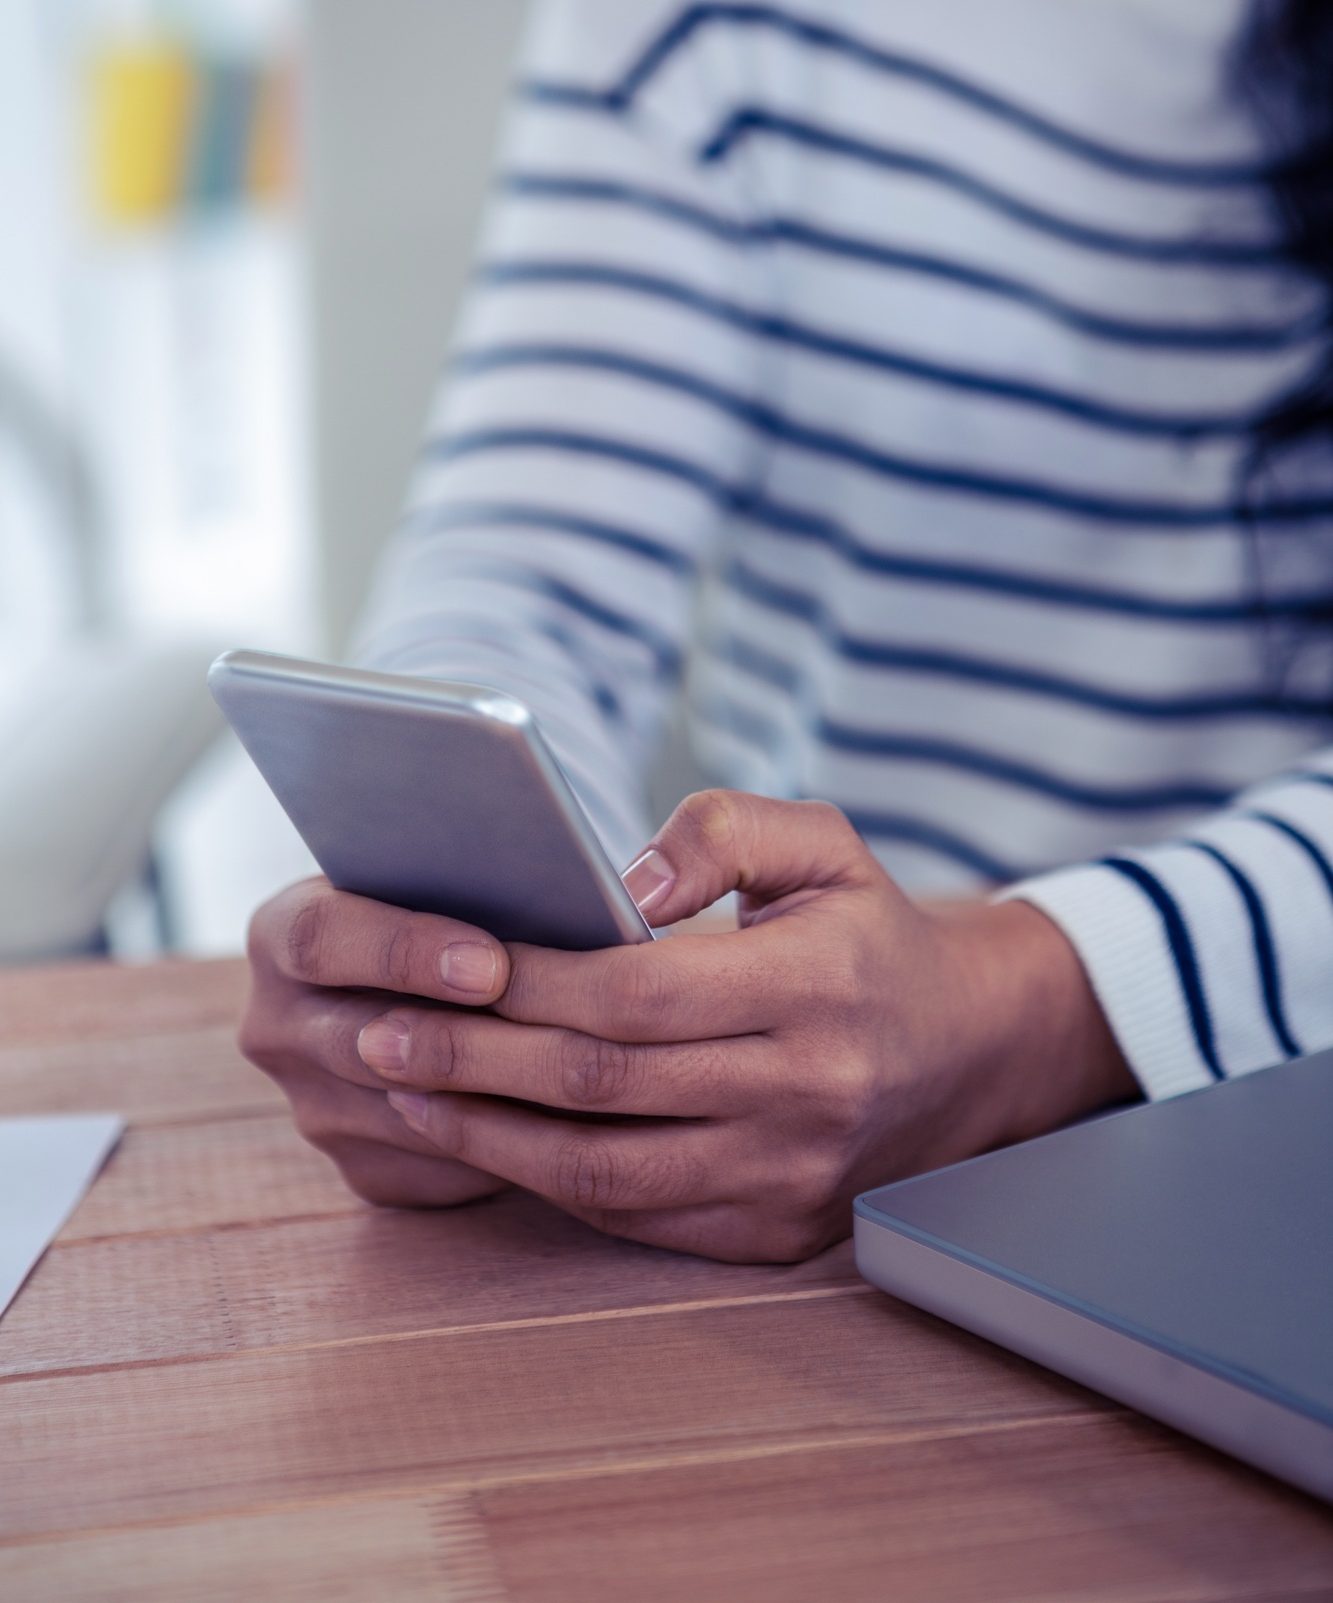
<point>441,798</point>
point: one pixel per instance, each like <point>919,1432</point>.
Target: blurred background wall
<point>236,234</point>
<point>403,106</point>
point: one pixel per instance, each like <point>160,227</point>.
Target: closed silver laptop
<point>1176,1256</point>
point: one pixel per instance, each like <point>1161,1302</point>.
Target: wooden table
<point>230,1380</point>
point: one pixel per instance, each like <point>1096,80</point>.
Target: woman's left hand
<point>728,1094</point>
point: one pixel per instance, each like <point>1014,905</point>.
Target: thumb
<point>723,840</point>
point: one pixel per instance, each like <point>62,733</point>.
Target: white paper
<point>46,1166</point>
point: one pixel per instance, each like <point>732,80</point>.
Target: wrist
<point>1038,1044</point>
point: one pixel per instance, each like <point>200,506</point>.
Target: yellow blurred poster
<point>173,133</point>
<point>141,115</point>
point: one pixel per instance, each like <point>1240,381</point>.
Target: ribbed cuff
<point>1123,946</point>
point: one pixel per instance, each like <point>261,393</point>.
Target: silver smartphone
<point>439,797</point>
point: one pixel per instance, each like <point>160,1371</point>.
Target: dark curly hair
<point>1284,72</point>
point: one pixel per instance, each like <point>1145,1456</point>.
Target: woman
<point>942,391</point>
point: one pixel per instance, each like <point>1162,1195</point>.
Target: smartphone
<point>438,797</point>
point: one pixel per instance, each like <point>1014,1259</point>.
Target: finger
<point>690,988</point>
<point>330,1114</point>
<point>321,936</point>
<point>723,840</point>
<point>724,1231</point>
<point>574,1163</point>
<point>444,1050</point>
<point>391,1178</point>
<point>311,1029</point>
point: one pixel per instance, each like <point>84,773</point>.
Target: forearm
<point>1032,1045</point>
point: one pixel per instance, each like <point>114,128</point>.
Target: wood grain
<point>1104,1509</point>
<point>91,1001</point>
<point>199,1176</point>
<point>154,1079</point>
<point>127,1299</point>
<point>230,1379</point>
<point>427,1549</point>
<point>417,1409</point>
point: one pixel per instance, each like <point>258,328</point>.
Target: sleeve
<point>1212,953</point>
<point>592,427</point>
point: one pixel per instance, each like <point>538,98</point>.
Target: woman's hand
<point>322,965</point>
<point>729,1094</point>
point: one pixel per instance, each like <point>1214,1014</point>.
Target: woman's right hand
<point>323,963</point>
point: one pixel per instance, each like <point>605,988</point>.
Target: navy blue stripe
<point>1312,776</point>
<point>665,651</point>
<point>941,477</point>
<point>1265,954</point>
<point>819,35</point>
<point>987,581</point>
<point>911,831</point>
<point>749,121</point>
<point>950,664</point>
<point>449,447</point>
<point>753,730</point>
<point>1026,776</point>
<point>887,745</point>
<point>1182,954</point>
<point>1175,427</point>
<point>581,97</point>
<point>613,192</point>
<point>574,645</point>
<point>461,514</point>
<point>1229,338</point>
<point>796,524</point>
<point>1022,776</point>
<point>1311,849</point>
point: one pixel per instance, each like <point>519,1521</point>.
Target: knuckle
<point>264,937</point>
<point>594,1073</point>
<point>395,962</point>
<point>303,935</point>
<point>269,1038</point>
<point>256,1040</point>
<point>711,819</point>
<point>639,997</point>
<point>444,1064</point>
<point>586,1172</point>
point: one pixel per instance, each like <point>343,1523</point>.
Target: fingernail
<point>411,1106</point>
<point>383,1046</point>
<point>469,966</point>
<point>649,878</point>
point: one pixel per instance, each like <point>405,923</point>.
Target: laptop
<point>1177,1256</point>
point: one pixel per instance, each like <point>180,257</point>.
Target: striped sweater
<point>882,374</point>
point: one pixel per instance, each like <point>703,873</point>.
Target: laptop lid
<point>1177,1256</point>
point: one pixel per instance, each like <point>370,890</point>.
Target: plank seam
<point>591,1469</point>
<point>486,1327</point>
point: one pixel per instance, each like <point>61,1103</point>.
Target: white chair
<point>97,728</point>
